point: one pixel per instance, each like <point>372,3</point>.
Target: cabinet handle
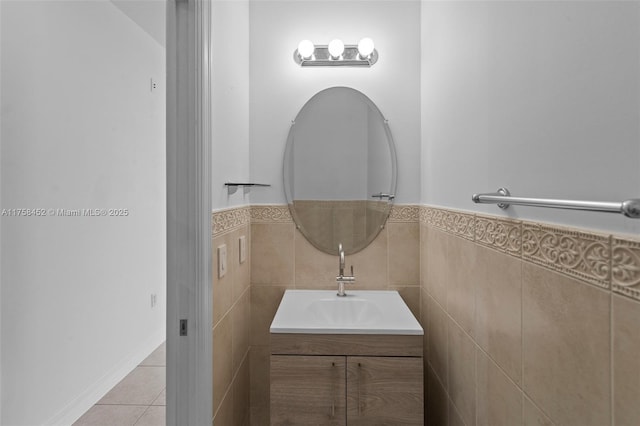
<point>333,399</point>
<point>358,377</point>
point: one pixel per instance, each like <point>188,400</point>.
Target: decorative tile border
<point>404,213</point>
<point>605,261</point>
<point>625,271</point>
<point>438,219</point>
<point>454,222</point>
<point>280,213</point>
<point>504,235</point>
<point>581,255</point>
<point>228,220</point>
<point>461,224</point>
<point>271,214</point>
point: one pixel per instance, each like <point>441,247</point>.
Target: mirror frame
<point>394,175</point>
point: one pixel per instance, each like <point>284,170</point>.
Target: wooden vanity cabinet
<point>384,391</point>
<point>346,380</point>
<point>308,390</point>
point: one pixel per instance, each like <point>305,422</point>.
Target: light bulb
<point>306,49</point>
<point>365,47</point>
<point>336,48</point>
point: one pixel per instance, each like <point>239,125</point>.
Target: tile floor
<point>139,399</point>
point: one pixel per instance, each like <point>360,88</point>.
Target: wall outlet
<point>154,300</point>
<point>154,84</point>
<point>222,260</point>
<point>242,243</point>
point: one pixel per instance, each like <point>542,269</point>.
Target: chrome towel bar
<point>502,197</point>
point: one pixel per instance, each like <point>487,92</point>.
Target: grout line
<point>477,400</point>
<point>141,416</point>
<point>529,399</point>
<point>233,379</point>
<point>611,361</point>
<point>522,352</point>
<point>522,336</point>
<point>230,309</point>
<point>611,336</point>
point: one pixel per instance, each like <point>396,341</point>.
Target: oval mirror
<point>340,170</point>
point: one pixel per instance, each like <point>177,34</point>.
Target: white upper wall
<point>150,15</point>
<point>81,129</point>
<point>540,97</point>
<point>230,87</point>
<point>280,88</point>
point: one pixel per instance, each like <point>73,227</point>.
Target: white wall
<point>230,85</point>
<point>80,129</point>
<point>1,120</point>
<point>539,97</point>
<point>279,87</point>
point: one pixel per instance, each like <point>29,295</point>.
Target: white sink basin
<point>360,312</point>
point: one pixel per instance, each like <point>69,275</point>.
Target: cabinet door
<point>384,391</point>
<point>308,390</point>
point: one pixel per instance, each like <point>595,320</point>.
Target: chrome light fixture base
<point>349,58</point>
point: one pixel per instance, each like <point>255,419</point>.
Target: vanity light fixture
<point>306,49</point>
<point>364,54</point>
<point>336,49</point>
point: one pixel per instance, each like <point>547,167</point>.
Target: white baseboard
<point>83,402</point>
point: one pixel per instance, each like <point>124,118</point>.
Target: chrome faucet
<point>341,279</point>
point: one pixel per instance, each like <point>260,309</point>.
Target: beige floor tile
<point>154,416</point>
<point>566,347</point>
<point>161,399</point>
<point>141,387</point>
<point>111,415</point>
<point>157,358</point>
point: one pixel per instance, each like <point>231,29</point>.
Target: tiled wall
<point>525,323</point>
<point>282,258</point>
<point>231,320</point>
<point>528,323</point>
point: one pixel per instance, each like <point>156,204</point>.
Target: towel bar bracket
<point>502,197</point>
